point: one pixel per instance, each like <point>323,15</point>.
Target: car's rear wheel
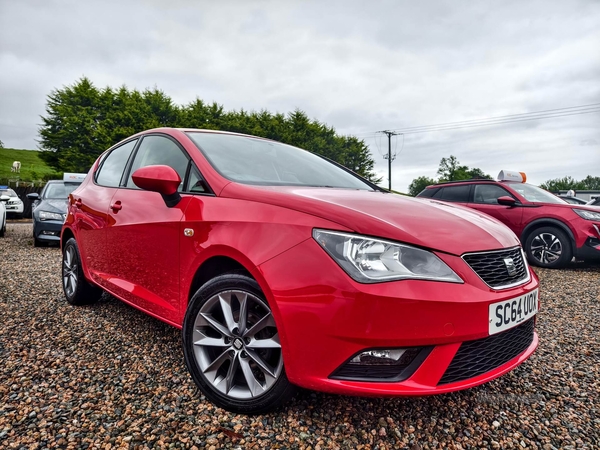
<point>231,346</point>
<point>548,247</point>
<point>78,290</point>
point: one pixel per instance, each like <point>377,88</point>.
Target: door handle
<point>116,206</point>
<point>78,203</point>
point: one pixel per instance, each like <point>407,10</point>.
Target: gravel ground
<point>107,376</point>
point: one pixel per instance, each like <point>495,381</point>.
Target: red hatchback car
<point>551,230</point>
<point>284,269</point>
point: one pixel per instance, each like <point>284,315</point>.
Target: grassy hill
<point>32,166</point>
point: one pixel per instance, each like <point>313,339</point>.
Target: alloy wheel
<point>546,248</point>
<point>236,344</point>
<point>70,271</point>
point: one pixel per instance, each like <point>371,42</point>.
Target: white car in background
<point>14,205</point>
<point>3,198</point>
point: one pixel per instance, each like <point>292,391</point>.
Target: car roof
<point>471,180</point>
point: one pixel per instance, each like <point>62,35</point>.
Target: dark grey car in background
<point>50,210</point>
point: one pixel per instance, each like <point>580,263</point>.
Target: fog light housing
<point>390,365</point>
<point>49,233</point>
<point>380,357</point>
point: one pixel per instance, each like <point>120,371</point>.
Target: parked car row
<point>551,230</point>
<point>284,269</point>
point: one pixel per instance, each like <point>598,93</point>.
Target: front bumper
<point>324,318</point>
<point>14,209</point>
<point>47,230</point>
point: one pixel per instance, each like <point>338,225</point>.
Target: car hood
<point>422,222</point>
<point>53,205</point>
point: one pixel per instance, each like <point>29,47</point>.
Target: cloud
<point>358,66</point>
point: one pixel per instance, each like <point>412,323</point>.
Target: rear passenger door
<point>91,213</point>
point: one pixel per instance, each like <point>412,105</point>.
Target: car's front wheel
<point>78,290</point>
<point>231,346</point>
<point>548,247</point>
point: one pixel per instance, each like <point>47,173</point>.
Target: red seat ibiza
<point>283,269</point>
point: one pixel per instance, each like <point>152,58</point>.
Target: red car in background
<point>284,269</point>
<point>551,230</point>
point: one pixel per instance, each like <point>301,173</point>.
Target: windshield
<point>59,191</point>
<point>8,192</point>
<point>535,194</point>
<point>251,160</point>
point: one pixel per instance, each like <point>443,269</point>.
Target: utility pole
<point>389,156</point>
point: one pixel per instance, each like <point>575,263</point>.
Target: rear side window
<point>489,193</point>
<point>159,150</point>
<point>428,193</point>
<point>111,171</point>
<point>454,193</point>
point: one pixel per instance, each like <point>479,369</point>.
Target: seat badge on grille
<point>189,232</point>
<point>510,266</point>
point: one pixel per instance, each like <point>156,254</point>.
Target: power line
<point>497,120</point>
<point>547,112</point>
<point>490,123</point>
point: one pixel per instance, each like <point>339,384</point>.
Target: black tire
<point>38,243</point>
<point>238,369</point>
<point>548,247</point>
<point>78,290</point>
<point>3,229</point>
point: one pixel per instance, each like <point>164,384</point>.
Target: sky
<point>359,66</point>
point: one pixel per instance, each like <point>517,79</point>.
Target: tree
<point>82,121</point>
<point>418,184</point>
<point>451,170</point>
<point>448,170</point>
<point>477,173</point>
<point>559,184</point>
<point>568,182</point>
<point>591,183</point>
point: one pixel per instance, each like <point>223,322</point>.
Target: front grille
<point>478,357</point>
<point>494,267</point>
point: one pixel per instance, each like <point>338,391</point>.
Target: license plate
<point>510,313</point>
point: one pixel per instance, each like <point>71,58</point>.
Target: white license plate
<point>510,313</point>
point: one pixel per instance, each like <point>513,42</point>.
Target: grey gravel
<point>107,376</point>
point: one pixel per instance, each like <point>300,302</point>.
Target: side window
<point>195,181</point>
<point>159,150</point>
<point>428,193</point>
<point>489,193</point>
<point>455,193</point>
<point>111,171</point>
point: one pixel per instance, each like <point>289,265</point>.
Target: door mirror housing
<point>34,196</point>
<point>507,200</point>
<point>4,198</point>
<point>160,178</point>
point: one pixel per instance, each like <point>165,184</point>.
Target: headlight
<point>369,260</point>
<point>588,215</point>
<point>47,215</point>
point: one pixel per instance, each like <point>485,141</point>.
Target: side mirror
<point>506,201</point>
<point>161,179</point>
<point>4,198</point>
<point>34,196</point>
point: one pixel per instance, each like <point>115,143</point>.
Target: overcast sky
<point>359,66</point>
